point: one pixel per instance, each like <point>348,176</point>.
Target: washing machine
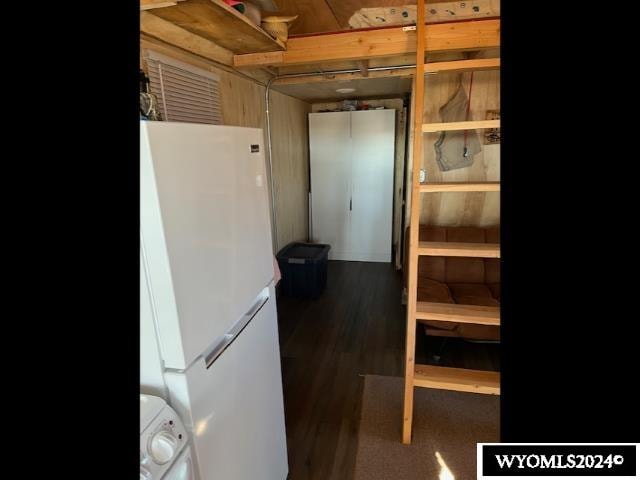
<point>165,452</point>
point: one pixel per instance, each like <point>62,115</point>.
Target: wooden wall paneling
<point>242,101</point>
<point>290,133</point>
<point>470,208</point>
<point>490,214</point>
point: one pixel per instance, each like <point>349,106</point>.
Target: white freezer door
<point>235,407</point>
<point>151,379</point>
<point>206,232</point>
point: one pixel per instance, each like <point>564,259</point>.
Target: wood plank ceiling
<point>369,88</point>
<point>211,29</point>
<point>317,16</point>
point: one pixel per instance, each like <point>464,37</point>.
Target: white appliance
<point>164,446</point>
<point>352,167</point>
<point>207,274</point>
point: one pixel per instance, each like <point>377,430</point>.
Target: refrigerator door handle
<point>228,338</point>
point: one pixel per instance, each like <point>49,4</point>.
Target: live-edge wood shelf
<point>216,21</point>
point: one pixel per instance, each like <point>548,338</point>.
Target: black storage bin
<point>304,269</point>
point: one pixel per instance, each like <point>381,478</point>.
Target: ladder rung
<point>463,65</point>
<point>471,125</point>
<point>458,379</point>
<point>459,249</point>
<point>453,312</point>
<point>460,187</point>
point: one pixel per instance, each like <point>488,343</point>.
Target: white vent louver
<point>184,93</point>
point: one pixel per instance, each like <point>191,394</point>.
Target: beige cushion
<point>461,280</point>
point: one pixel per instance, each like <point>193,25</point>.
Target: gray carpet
<point>450,423</point>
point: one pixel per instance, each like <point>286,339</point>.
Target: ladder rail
<point>412,287</point>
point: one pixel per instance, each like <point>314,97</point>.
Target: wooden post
<point>412,286</point>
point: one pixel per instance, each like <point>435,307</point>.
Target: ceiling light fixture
<point>345,90</point>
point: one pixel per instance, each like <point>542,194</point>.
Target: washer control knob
<point>163,447</point>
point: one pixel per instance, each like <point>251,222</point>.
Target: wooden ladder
<point>428,376</point>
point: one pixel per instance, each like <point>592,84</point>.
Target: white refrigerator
<point>209,337</point>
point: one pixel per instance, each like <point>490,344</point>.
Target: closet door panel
<point>372,167</point>
<point>330,158</point>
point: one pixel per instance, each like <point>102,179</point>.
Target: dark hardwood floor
<point>356,327</point>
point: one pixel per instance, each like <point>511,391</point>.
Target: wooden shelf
<point>463,65</point>
<point>460,187</point>
<point>452,312</point>
<point>452,126</point>
<point>151,4</point>
<point>219,23</point>
<point>459,249</point>
<point>458,379</point>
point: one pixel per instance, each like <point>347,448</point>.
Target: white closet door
<point>330,158</point>
<point>373,138</point>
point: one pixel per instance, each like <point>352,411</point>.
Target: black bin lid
<point>303,251</point>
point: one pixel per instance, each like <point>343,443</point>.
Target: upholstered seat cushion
<point>433,291</point>
<point>495,290</point>
<point>461,293</point>
<point>460,280</point>
<point>469,290</point>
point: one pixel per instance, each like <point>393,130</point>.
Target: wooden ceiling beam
<point>455,66</point>
<point>363,65</point>
<point>383,42</point>
<point>458,66</point>
<point>321,78</point>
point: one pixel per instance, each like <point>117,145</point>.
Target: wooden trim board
<point>459,249</point>
<point>458,379</point>
<point>460,187</point>
<point>458,66</point>
<point>450,126</point>
<point>453,312</point>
